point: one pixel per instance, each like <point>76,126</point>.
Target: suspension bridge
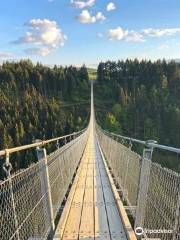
<point>93,187</point>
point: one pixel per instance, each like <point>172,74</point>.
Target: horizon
<point>73,32</point>
<point>95,67</point>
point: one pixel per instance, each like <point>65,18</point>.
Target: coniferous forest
<point>39,102</point>
<point>136,99</point>
<point>141,99</point>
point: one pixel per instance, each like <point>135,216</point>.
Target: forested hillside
<point>137,99</point>
<point>141,100</point>
<point>40,102</point>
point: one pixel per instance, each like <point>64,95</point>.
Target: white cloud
<point>82,4</point>
<point>110,7</point>
<point>6,55</point>
<point>38,51</point>
<point>85,17</point>
<point>134,36</point>
<point>121,34</point>
<point>163,47</point>
<point>153,32</point>
<point>43,33</point>
<point>117,34</point>
<point>140,36</point>
<point>100,17</point>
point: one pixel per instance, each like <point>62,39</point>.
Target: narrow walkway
<point>92,213</point>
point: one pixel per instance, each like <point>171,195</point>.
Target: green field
<point>92,73</point>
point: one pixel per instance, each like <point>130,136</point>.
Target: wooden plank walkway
<point>91,211</point>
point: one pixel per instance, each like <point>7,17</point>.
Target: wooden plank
<point>86,230</point>
<point>71,229</point>
<point>63,219</point>
<point>115,225</point>
<point>130,235</point>
<point>101,223</point>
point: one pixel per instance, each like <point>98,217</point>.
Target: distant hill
<point>92,73</point>
<point>177,60</point>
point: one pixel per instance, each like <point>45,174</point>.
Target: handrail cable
<point>37,144</point>
<point>148,143</point>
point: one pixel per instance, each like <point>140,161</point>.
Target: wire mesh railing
<point>62,165</point>
<point>31,198</point>
<point>125,166</point>
<point>146,186</point>
<point>162,203</point>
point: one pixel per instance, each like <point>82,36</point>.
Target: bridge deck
<point>91,211</point>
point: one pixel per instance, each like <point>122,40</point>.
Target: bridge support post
<point>144,184</point>
<point>45,187</point>
<point>7,168</point>
<point>176,226</point>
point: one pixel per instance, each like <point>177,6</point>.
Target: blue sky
<point>88,31</point>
